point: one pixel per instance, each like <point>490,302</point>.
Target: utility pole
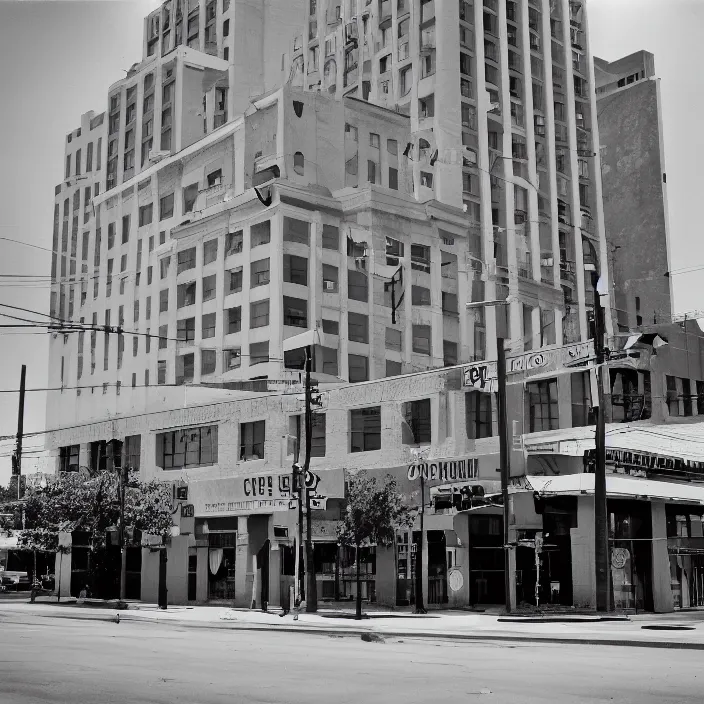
<point>601,537</point>
<point>504,461</point>
<point>123,547</point>
<point>17,459</point>
<point>420,606</point>
<point>311,591</point>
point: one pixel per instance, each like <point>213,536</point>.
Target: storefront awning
<point>617,486</point>
<point>681,440</point>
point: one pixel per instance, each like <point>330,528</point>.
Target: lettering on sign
<point>640,461</point>
<point>445,471</point>
<point>187,511</point>
<point>264,486</point>
<point>255,505</point>
<point>478,376</point>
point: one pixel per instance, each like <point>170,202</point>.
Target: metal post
<point>123,546</point>
<point>420,608</point>
<point>163,592</point>
<point>601,537</point>
<point>504,462</point>
<point>17,469</point>
<point>311,591</point>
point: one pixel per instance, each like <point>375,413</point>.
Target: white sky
<point>58,58</point>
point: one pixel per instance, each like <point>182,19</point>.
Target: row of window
<point>78,157</point>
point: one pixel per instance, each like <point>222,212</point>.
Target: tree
<point>374,513</point>
<point>91,504</point>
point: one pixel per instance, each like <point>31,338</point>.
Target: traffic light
<point>15,465</point>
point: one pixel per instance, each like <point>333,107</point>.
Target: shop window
<point>542,408</point>
<point>187,447</point>
<point>252,437</point>
<point>365,429</point>
<point>418,418</point>
<point>478,415</point>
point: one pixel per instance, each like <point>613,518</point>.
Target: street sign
<point>187,511</point>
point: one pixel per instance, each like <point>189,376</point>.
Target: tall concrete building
<point>635,189</point>
<point>275,176</point>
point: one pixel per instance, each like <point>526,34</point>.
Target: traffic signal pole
<point>17,462</point>
<point>311,590</point>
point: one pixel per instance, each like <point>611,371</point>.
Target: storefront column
<point>176,570</point>
<point>385,575</point>
<point>244,577</point>
<point>202,571</point>
<point>274,574</point>
<point>512,570</point>
<point>583,562</point>
<point>662,590</point>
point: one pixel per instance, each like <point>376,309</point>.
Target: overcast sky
<point>58,58</point>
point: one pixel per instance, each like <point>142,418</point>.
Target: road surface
<point>89,662</point>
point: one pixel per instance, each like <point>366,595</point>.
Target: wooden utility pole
<point>601,537</point>
<point>311,590</point>
<point>504,462</point>
<point>17,460</point>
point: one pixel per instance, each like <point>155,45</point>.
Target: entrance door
<point>221,566</point>
<point>192,574</point>
<point>437,567</point>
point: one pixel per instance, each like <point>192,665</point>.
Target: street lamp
<point>504,460</point>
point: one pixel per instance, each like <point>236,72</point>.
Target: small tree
<point>374,513</point>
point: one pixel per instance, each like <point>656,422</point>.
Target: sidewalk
<point>677,630</point>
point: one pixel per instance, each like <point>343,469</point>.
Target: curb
<point>358,632</point>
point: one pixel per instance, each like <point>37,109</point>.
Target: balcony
<point>524,265</point>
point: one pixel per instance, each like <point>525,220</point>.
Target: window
<point>187,447</point>
<point>687,396</point>
<point>331,327</point>
<point>358,368</point>
<point>357,285</point>
<point>166,206</point>
<point>186,260</point>
<point>673,400</point>
<point>190,193</point>
<point>234,320</point>
<point>371,171</point>
<point>295,312</point>
<point>68,458</point>
<point>233,243</point>
<point>420,258</point>
<point>426,107</point>
<point>111,235</point>
<point>164,300</point>
<point>365,429</point>
<point>331,238</point>
<point>259,314</point>
<point>232,359</point>
<point>393,368</point>
<point>209,284</point>
<point>330,365</point>
<point>164,263</point>
<point>210,251</point>
<point>394,339</point>
<point>259,273</point>
<point>252,436</point>
<point>317,445</point>
<point>299,163</point>
<point>161,372</point>
<point>358,327</point>
<point>449,303</point>
<point>296,231</point>
<point>186,294</point>
<point>186,330</point>
<point>449,353</point>
<point>233,280</point>
<point>185,368</point>
<point>542,410</point>
<point>478,415</point>
<point>422,339</point>
<point>393,178</point>
<point>406,76</point>
<point>208,327</point>
<point>207,362</point>
<point>163,336</point>
<point>581,400</point>
<point>260,233</point>
<point>295,270</point>
<point>125,229</point>
<point>145,214</point>
<point>258,353</point>
<point>420,296</point>
<point>417,416</point>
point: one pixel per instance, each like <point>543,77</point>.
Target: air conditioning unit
<point>329,285</point>
<point>546,261</point>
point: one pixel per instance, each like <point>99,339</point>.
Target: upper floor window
<point>187,447</point>
<point>252,437</point>
<point>365,429</point>
<point>541,405</point>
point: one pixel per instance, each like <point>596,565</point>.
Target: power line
<point>26,244</point>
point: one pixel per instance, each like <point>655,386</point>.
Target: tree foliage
<point>374,513</point>
<point>92,505</point>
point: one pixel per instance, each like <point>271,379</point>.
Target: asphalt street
<point>89,662</point>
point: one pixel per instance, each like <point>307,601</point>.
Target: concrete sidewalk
<point>679,630</point>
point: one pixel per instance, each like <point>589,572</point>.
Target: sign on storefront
<point>453,470</point>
